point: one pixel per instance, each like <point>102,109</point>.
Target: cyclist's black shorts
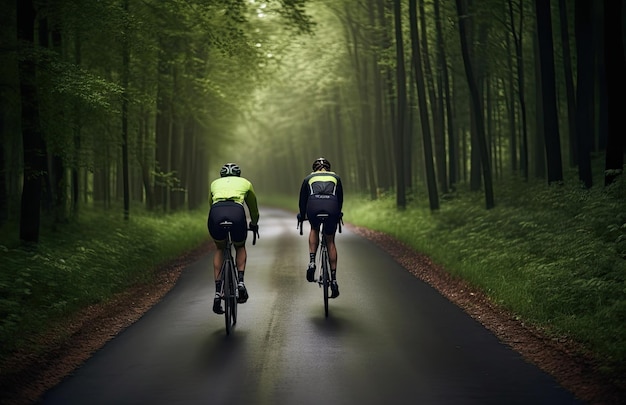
<point>327,204</point>
<point>228,211</point>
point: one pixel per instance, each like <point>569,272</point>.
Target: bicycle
<point>324,279</point>
<point>228,275</point>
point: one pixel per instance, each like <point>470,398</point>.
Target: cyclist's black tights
<point>314,241</point>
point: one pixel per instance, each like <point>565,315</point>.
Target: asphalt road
<point>389,337</point>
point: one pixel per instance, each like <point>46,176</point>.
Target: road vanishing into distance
<point>389,338</point>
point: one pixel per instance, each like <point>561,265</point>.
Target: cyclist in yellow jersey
<point>227,197</point>
<point>322,192</point>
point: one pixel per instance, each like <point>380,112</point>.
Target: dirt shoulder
<point>25,377</point>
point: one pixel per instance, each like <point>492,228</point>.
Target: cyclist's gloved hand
<point>254,227</point>
<point>300,217</point>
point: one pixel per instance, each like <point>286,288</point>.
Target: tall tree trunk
<point>489,122</point>
<point>539,148</point>
<point>58,167</point>
<point>438,133</point>
<point>517,40</point>
<point>76,136</point>
<point>475,158</point>
<point>125,96</point>
<point>34,148</point>
<point>569,82</point>
<point>401,97</point>
<point>548,90</point>
<point>374,104</point>
<point>8,111</point>
<point>201,172</point>
<point>146,167</point>
<point>476,103</point>
<point>361,64</point>
<point>615,65</point>
<point>601,111</point>
<point>475,174</point>
<point>55,173</point>
<point>188,163</point>
<point>511,108</point>
<point>163,128</point>
<point>385,104</point>
<point>444,95</point>
<point>178,133</point>
<point>431,181</point>
<point>585,91</point>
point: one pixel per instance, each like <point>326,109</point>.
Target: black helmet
<point>230,169</point>
<point>321,163</point>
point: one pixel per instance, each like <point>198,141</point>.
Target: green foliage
<point>83,263</point>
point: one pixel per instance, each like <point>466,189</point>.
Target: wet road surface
<point>389,337</point>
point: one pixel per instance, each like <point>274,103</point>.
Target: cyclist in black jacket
<point>322,192</point>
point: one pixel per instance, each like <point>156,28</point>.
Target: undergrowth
<point>84,262</point>
<point>555,256</point>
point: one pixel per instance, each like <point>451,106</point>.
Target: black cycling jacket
<point>321,182</point>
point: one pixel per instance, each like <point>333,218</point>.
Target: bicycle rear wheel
<point>235,295</point>
<point>230,299</point>
<point>325,279</point>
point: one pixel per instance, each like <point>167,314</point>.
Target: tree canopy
<point>141,101</point>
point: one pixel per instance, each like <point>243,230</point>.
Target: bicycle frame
<point>324,258</point>
<point>228,275</point>
<point>324,278</point>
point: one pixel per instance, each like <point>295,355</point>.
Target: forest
<point>138,102</point>
<point>122,107</point>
